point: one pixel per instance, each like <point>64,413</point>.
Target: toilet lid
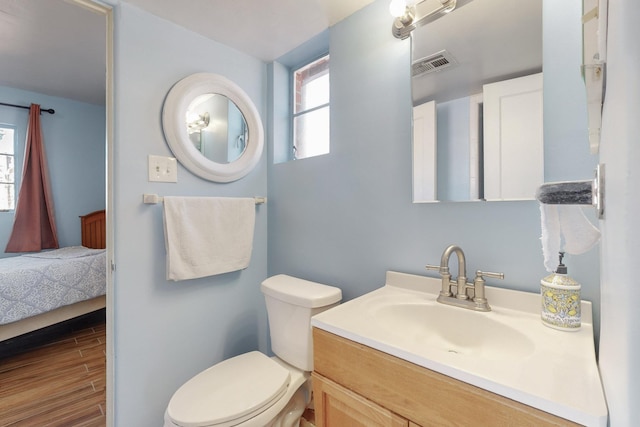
<point>232,389</point>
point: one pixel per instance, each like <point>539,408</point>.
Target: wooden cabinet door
<point>337,406</point>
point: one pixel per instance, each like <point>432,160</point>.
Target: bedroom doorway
<point>58,54</point>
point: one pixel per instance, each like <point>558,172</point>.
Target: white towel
<point>565,228</point>
<point>205,236</point>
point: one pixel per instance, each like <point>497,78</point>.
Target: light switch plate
<point>163,169</point>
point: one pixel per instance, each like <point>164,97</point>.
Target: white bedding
<point>36,283</point>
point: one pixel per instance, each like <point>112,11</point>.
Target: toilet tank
<point>291,302</point>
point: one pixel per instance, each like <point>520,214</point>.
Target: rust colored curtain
<point>34,227</point>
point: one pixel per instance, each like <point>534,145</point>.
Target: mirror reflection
<point>481,43</point>
<point>216,127</point>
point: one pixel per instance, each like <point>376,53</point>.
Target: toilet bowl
<point>252,389</point>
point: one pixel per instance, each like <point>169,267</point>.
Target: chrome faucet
<point>462,297</point>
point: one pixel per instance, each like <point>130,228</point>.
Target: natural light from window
<point>7,168</point>
<point>311,124</point>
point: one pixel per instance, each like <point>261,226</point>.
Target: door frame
<point>107,11</point>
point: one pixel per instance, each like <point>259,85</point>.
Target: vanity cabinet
<point>355,385</point>
<point>342,407</point>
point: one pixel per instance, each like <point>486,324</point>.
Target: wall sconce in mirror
<point>212,127</point>
<point>197,123</point>
<point>410,14</point>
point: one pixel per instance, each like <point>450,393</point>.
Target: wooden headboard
<point>94,230</point>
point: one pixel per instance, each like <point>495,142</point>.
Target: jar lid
<point>558,280</point>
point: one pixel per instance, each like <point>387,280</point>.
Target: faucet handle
<point>442,270</point>
<point>478,288</point>
<point>480,274</point>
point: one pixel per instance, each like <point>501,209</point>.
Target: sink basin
<point>507,350</point>
<point>451,329</point>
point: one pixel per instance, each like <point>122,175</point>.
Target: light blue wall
<point>165,332</point>
<point>453,133</point>
<point>74,140</point>
<point>347,217</point>
<point>278,129</point>
<point>566,155</point>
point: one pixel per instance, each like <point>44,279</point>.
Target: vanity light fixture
<point>198,123</point>
<point>398,8</point>
<point>409,14</point>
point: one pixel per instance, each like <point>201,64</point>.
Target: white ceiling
<point>52,47</point>
<point>55,48</point>
<point>266,29</point>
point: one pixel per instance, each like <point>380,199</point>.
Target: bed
<point>45,288</point>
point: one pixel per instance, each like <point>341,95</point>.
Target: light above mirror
<point>212,127</point>
<point>411,14</point>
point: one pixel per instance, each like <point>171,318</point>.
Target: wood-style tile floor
<point>56,381</point>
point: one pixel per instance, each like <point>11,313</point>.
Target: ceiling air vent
<point>432,63</point>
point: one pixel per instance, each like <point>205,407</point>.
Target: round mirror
<point>212,127</point>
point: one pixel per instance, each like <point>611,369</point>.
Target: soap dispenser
<point>561,300</point>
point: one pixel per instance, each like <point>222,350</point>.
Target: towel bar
<point>152,199</point>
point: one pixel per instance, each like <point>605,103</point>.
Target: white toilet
<point>254,390</point>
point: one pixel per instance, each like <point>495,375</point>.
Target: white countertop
<point>554,371</point>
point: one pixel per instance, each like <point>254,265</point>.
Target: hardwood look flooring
<point>56,378</point>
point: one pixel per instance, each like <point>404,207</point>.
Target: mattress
<point>35,283</point>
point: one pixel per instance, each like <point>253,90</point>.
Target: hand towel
<point>205,236</point>
<point>565,228</point>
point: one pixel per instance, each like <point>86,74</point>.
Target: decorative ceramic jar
<point>561,300</point>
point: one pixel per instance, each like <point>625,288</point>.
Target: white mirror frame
<point>175,130</point>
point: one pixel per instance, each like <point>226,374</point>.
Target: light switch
<point>163,169</point>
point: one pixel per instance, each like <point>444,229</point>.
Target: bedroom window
<point>311,109</point>
<point>7,168</point>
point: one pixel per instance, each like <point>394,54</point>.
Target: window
<point>311,109</point>
<point>7,169</point>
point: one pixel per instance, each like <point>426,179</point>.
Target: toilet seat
<point>229,392</point>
